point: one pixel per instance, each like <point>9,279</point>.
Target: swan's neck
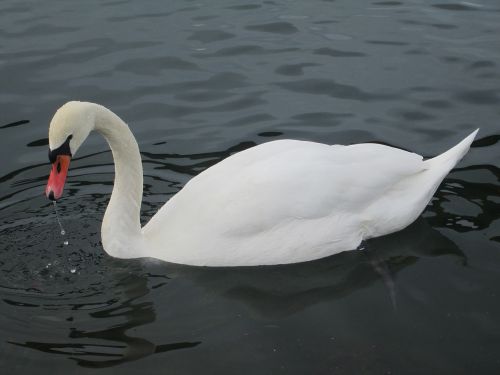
<point>121,227</point>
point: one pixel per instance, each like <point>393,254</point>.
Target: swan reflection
<point>279,291</point>
<point>104,347</point>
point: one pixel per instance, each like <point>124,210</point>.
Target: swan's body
<point>280,202</point>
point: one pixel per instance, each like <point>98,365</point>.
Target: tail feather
<point>448,159</point>
<point>400,206</point>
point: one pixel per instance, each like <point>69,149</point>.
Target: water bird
<point>284,201</point>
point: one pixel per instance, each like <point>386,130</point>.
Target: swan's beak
<point>57,177</point>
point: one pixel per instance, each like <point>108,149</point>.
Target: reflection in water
<point>105,312</point>
<point>279,291</point>
<point>478,206</point>
<point>382,268</point>
<point>89,348</point>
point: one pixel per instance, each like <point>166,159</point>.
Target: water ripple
<point>198,82</point>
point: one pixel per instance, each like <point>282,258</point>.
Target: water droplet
<point>63,232</point>
<point>72,270</point>
<point>66,243</point>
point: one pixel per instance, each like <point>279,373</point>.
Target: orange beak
<point>57,177</point>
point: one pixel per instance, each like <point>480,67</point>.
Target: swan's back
<point>291,201</point>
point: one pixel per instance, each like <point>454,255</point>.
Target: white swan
<point>280,202</point>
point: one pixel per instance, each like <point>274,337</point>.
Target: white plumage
<point>280,202</point>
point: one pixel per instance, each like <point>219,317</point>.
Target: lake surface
<point>198,81</point>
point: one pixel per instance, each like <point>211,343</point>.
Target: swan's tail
<point>438,167</point>
<point>414,193</point>
<point>443,163</point>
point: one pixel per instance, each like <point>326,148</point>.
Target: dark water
<point>198,81</point>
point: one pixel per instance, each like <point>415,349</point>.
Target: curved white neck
<point>121,226</point>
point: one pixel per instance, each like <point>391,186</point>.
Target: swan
<point>285,201</point>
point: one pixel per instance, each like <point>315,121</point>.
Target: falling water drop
<point>63,232</point>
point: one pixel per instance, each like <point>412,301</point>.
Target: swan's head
<point>68,129</point>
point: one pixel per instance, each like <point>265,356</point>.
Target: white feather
<point>280,202</point>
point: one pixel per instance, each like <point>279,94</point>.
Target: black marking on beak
<point>61,150</point>
<point>51,196</point>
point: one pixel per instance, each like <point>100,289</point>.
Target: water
<point>198,81</point>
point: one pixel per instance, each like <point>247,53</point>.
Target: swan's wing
<point>372,170</point>
<point>260,188</point>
